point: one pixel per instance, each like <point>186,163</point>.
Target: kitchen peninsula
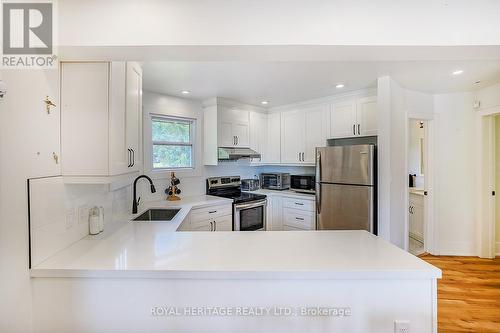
<point>143,265</point>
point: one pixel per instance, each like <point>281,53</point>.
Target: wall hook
<point>48,104</point>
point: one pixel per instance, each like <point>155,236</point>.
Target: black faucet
<point>135,203</point>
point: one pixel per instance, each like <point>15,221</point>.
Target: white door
<point>241,132</point>
<point>133,115</point>
<point>258,134</point>
<point>292,136</point>
<point>273,151</point>
<point>316,124</point>
<point>119,157</point>
<point>366,116</point>
<point>84,119</point>
<point>224,223</point>
<point>343,119</point>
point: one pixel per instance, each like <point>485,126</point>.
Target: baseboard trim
<point>497,249</point>
<point>457,249</point>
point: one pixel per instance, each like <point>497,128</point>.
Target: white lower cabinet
<point>290,213</point>
<point>215,218</point>
<point>416,216</point>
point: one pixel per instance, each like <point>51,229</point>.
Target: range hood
<point>233,154</point>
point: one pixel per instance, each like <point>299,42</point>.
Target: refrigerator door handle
<point>318,198</point>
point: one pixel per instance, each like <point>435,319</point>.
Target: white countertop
<point>285,193</point>
<point>155,250</point>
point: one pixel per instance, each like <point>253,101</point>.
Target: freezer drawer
<point>345,164</point>
<point>344,207</point>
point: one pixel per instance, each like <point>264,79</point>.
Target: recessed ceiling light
<point>185,92</point>
<point>340,85</point>
<point>457,72</point>
<point>264,102</point>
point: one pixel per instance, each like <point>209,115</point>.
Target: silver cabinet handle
<point>133,157</point>
<point>212,211</point>
<point>303,157</point>
<point>129,157</point>
<point>215,226</point>
<point>354,129</point>
<point>299,204</point>
<point>211,226</point>
<point>299,218</point>
<point>237,140</point>
<point>359,129</point>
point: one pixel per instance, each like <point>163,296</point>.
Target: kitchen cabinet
<point>303,130</point>
<point>101,121</point>
<point>233,127</point>
<point>299,213</point>
<point>274,213</point>
<point>215,218</point>
<point>416,216</point>
<point>258,135</point>
<point>273,145</point>
<point>356,116</point>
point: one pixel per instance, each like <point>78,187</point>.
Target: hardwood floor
<point>468,294</point>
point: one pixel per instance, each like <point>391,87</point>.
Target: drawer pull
<point>299,218</point>
<point>212,211</point>
<point>299,204</point>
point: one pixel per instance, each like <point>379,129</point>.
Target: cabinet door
<point>274,214</point>
<point>202,227</point>
<point>224,223</point>
<point>315,125</point>
<point>241,131</point>
<point>84,119</point>
<point>366,115</point>
<point>133,114</point>
<point>225,136</point>
<point>292,136</point>
<point>343,119</point>
<point>273,151</point>
<point>119,158</point>
<point>258,134</point>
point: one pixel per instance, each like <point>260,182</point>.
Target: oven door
<point>250,216</point>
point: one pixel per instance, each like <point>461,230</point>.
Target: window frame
<point>191,143</point>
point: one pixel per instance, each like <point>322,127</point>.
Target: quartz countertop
<point>156,250</point>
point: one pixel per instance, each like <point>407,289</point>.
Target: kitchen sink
<point>157,215</point>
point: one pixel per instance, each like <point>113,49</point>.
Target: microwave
<point>303,183</point>
<point>275,181</point>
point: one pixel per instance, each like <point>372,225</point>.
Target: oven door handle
<point>250,205</point>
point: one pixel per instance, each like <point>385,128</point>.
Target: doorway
<point>496,176</point>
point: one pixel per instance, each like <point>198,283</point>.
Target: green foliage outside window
<point>172,143</point>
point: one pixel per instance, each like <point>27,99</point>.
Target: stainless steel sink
<point>157,215</point>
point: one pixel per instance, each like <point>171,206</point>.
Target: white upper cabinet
<point>233,127</point>
<point>292,136</point>
<point>101,126</point>
<point>354,117</point>
<point>366,114</point>
<point>258,134</point>
<point>273,151</point>
<point>302,130</point>
<point>133,114</point>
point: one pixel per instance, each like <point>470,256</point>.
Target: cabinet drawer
<point>222,223</point>
<point>298,219</point>
<point>201,214</point>
<point>301,204</point>
<point>288,228</point>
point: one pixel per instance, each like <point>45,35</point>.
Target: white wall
<point>455,175</point>
<point>303,22</point>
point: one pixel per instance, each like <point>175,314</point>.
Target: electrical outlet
<point>401,326</point>
<point>83,214</point>
<point>70,218</point>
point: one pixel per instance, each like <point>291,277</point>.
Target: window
<point>172,142</point>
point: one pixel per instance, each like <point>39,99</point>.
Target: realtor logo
<point>27,35</point>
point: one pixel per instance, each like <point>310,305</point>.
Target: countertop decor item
<point>172,191</point>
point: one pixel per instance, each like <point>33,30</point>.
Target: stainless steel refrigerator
<point>345,188</point>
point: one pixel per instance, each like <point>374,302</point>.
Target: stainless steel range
<point>249,209</point>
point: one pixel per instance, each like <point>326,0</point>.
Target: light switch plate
<point>401,326</point>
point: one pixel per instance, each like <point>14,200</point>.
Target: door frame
<point>430,232</point>
<point>485,184</point>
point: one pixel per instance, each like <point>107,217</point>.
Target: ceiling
<point>287,82</point>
